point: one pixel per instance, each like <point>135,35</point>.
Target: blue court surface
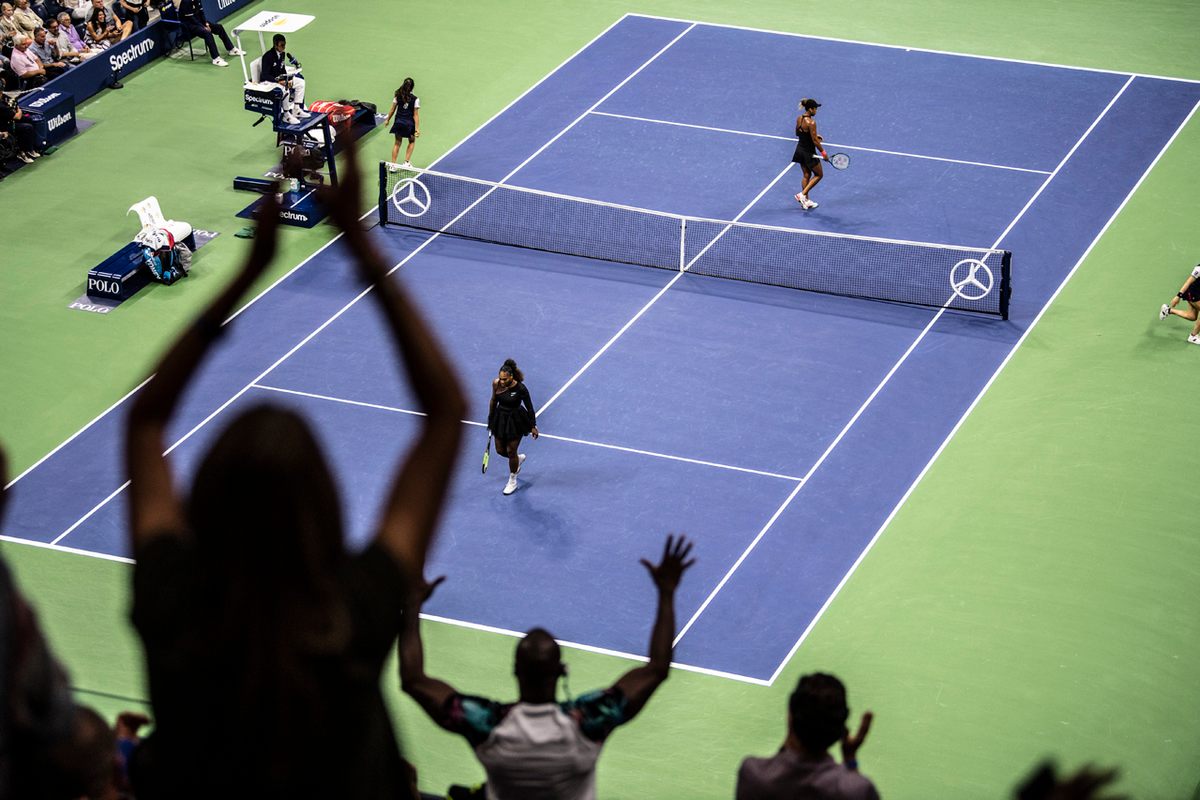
<point>780,429</point>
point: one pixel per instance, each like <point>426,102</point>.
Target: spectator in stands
<point>115,30</point>
<point>66,39</point>
<point>26,64</point>
<point>27,21</point>
<point>8,25</point>
<point>80,9</point>
<point>803,768</point>
<point>102,30</point>
<point>8,78</point>
<point>48,54</point>
<point>135,12</point>
<point>191,16</point>
<point>538,747</point>
<point>244,593</point>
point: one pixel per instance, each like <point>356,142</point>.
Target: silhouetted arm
<point>639,684</point>
<point>154,504</point>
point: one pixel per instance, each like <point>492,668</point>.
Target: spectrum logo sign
<point>118,61</point>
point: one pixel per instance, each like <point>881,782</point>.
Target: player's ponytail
<point>404,93</point>
<point>511,368</point>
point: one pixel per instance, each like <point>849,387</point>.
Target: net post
<point>1005,283</point>
<point>383,193</point>
<point>682,243</point>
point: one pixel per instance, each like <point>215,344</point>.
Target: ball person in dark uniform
<point>407,109</point>
<point>1190,291</point>
<point>807,146</point>
<point>510,416</point>
<point>191,16</point>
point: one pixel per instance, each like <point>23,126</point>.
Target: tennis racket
<point>487,451</point>
<point>839,160</point>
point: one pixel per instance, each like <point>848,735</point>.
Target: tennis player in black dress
<point>807,146</point>
<point>510,416</point>
<point>1190,293</point>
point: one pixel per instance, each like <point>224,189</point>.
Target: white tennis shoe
<point>408,165</point>
<point>1164,312</point>
<point>1194,339</point>
<point>220,62</point>
<point>511,486</point>
<point>237,51</point>
<point>812,204</point>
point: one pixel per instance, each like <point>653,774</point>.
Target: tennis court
<point>781,429</point>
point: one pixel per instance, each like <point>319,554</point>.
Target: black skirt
<point>403,128</point>
<point>507,425</point>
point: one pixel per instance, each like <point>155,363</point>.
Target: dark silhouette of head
<point>82,763</point>
<point>817,712</point>
<point>538,666</point>
<point>266,518</point>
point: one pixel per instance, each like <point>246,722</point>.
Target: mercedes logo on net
<point>971,279</point>
<point>411,197</point>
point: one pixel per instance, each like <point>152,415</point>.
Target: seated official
<point>26,64</point>
<point>281,67</point>
<point>191,16</point>
<point>45,50</point>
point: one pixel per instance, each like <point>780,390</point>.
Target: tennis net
<point>970,279</point>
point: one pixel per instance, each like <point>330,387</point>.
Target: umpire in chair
<point>281,67</point>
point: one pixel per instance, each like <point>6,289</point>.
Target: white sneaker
<point>291,119</point>
<point>407,165</point>
<point>302,113</point>
<point>1194,339</point>
<point>393,167</point>
<point>812,204</point>
<point>1164,312</point>
<point>802,200</point>
<point>520,462</point>
<point>220,62</point>
<point>237,51</point>
<point>511,486</point>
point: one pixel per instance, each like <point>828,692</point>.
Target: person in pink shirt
<point>28,66</point>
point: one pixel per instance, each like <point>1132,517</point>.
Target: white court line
<point>1003,59</point>
<point>368,290</point>
<point>64,549</point>
<point>322,248</point>
<point>313,191</point>
<point>593,649</point>
<point>887,378</point>
<point>551,436</point>
<point>661,292</point>
<point>937,453</point>
<point>827,144</point>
